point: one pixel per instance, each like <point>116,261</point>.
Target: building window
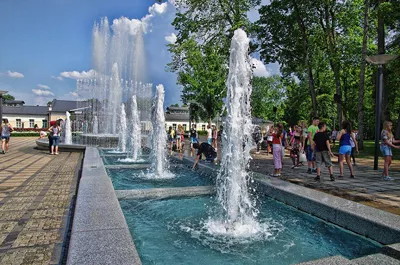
<point>31,123</point>
<point>44,123</point>
<point>18,123</point>
<point>184,127</point>
<point>203,127</point>
<point>174,126</point>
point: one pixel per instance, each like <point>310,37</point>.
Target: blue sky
<point>40,39</point>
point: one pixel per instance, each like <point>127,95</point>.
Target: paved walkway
<point>35,192</point>
<point>367,187</point>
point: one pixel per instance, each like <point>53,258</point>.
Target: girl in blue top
<point>344,137</point>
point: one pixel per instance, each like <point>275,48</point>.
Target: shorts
<point>345,150</point>
<point>209,141</point>
<point>310,154</point>
<point>5,138</point>
<point>170,138</point>
<point>178,137</point>
<point>323,157</point>
<point>56,139</point>
<point>386,150</point>
<point>193,140</point>
<point>211,157</point>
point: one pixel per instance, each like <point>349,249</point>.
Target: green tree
<point>8,97</point>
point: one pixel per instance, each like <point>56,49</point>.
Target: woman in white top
<point>55,131</point>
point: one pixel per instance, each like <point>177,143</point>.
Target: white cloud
<point>40,86</point>
<point>171,38</point>
<point>259,69</point>
<point>57,77</point>
<point>79,75</point>
<point>74,94</point>
<point>42,93</point>
<point>13,74</point>
<point>154,10</point>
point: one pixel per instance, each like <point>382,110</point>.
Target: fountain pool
<point>174,231</point>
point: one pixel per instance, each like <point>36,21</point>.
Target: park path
<point>36,190</point>
<point>367,187</point>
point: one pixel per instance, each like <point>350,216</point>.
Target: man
<point>257,138</point>
<point>193,138</point>
<point>284,142</point>
<point>6,130</point>
<point>207,150</point>
<point>312,130</point>
<point>323,151</point>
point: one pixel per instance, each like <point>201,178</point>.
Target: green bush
<point>25,134</point>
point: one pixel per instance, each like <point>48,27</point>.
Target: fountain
<point>136,137</point>
<point>95,125</point>
<point>122,131</point>
<point>68,132</point>
<point>236,214</point>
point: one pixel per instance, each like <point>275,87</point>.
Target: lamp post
<point>379,60</point>
<point>2,92</point>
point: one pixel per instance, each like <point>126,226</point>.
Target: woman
<point>344,137</point>
<point>269,139</point>
<point>179,138</point>
<point>55,131</point>
<point>296,145</point>
<point>6,130</point>
<point>387,142</point>
<point>277,137</point>
<point>171,136</point>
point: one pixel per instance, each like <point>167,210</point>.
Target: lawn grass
<point>369,150</point>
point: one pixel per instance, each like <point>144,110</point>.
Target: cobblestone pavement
<point>35,192</point>
<point>367,187</point>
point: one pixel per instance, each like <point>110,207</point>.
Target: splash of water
<point>236,215</point>
<point>136,130</point>
<point>122,130</point>
<point>159,135</point>
<point>95,125</point>
<point>68,131</point>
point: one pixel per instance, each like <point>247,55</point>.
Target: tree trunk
<point>381,50</point>
<point>307,57</point>
<point>362,79</point>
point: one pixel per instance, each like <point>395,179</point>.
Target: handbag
<point>302,157</point>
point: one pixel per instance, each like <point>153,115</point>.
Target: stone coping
<point>164,193</point>
<point>99,233</point>
<point>373,223</point>
<point>44,144</point>
<point>131,166</point>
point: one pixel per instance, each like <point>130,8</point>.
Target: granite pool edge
<point>100,234</point>
<point>372,223</point>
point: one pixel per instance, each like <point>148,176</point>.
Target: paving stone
<point>31,256</point>
<point>32,238</point>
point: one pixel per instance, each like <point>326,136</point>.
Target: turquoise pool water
<point>128,179</point>
<point>172,232</point>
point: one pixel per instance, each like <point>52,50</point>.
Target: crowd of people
<point>312,144</point>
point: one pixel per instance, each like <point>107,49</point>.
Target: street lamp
<point>2,92</point>
<point>379,60</point>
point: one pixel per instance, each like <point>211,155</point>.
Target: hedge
<point>25,134</point>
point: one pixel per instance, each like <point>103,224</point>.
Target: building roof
<point>26,110</point>
<point>14,102</point>
<point>177,109</point>
<point>67,105</point>
<point>177,117</point>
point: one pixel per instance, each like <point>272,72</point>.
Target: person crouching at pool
<point>207,150</point>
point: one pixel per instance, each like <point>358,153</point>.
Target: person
<point>353,147</point>
<point>277,150</point>
<point>171,136</point>
<point>387,143</point>
<point>55,130</point>
<point>311,131</point>
<point>42,134</point>
<point>269,138</point>
<point>323,152</point>
<point>193,138</point>
<point>215,138</point>
<point>257,138</point>
<point>333,136</point>
<point>6,130</point>
<point>345,148</point>
<point>207,150</point>
<point>209,134</point>
<point>284,141</point>
<point>296,144</point>
<point>179,137</point>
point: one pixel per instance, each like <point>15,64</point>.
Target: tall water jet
<point>236,214</point>
<point>68,132</point>
<point>115,97</point>
<point>122,130</point>
<point>159,134</point>
<point>95,125</point>
<point>136,130</point>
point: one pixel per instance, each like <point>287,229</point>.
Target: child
<point>6,130</point>
<point>344,137</point>
<point>387,144</point>
<point>323,151</point>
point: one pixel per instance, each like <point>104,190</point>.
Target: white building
<point>180,115</point>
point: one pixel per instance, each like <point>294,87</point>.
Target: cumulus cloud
<point>40,86</point>
<point>74,94</point>
<point>154,10</point>
<point>79,75</point>
<point>259,69</point>
<point>13,74</point>
<point>59,78</point>
<point>171,38</point>
<point>42,93</point>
